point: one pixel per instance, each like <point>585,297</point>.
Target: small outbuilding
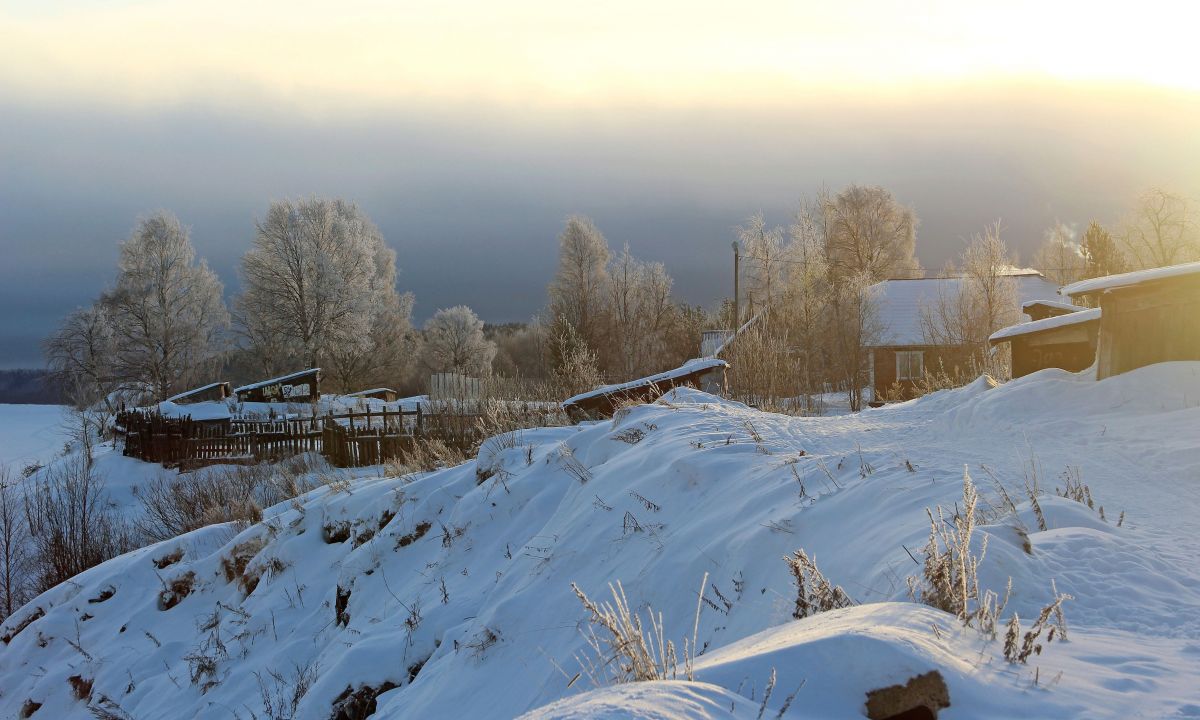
<point>707,374</point>
<point>384,394</point>
<point>1147,316</point>
<point>212,392</point>
<point>1042,309</point>
<point>302,386</point>
<point>1066,341</point>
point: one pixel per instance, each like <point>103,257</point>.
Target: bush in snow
<point>72,523</point>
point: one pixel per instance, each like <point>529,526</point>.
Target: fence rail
<point>350,439</point>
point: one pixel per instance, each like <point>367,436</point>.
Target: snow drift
<point>448,594</point>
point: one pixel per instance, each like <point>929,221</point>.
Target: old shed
<point>210,392</point>
<point>1066,341</point>
<point>384,394</point>
<point>302,386</point>
<point>707,374</point>
<point>1147,316</point>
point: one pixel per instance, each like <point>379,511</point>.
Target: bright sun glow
<point>314,53</point>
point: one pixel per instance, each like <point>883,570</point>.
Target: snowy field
<point>30,434</point>
<point>452,590</point>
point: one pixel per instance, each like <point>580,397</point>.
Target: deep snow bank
<point>454,587</point>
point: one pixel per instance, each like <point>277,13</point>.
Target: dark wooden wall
<point>1149,323</point>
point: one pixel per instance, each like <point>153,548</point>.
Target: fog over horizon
<point>473,195</point>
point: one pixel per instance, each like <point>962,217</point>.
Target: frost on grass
<point>628,650</point>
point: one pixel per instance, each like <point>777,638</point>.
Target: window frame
<point>905,358</point>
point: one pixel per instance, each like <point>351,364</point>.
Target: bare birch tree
<point>165,310</point>
<point>79,355</point>
<point>1161,230</point>
<point>984,300</point>
<point>869,232</point>
<point>638,308</point>
<point>577,291</point>
<point>765,253</point>
<point>314,282</point>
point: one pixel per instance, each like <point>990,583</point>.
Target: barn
<point>901,353</point>
<point>1066,341</point>
<point>302,386</point>
<point>212,392</point>
<point>1147,316</point>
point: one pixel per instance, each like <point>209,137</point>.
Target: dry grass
<point>628,650</point>
<point>950,574</point>
<point>814,593</point>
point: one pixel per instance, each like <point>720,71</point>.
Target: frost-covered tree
<point>454,342</point>
<point>984,301</point>
<point>638,304</point>
<point>165,309</point>
<point>1162,230</point>
<point>868,231</point>
<point>764,254</point>
<point>316,282</point>
<point>577,291</point>
<point>1060,258</point>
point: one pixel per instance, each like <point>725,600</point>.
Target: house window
<point>910,364</point>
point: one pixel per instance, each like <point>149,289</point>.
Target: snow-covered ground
<point>455,586</point>
<point>30,434</point>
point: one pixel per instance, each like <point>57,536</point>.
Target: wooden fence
<point>351,439</point>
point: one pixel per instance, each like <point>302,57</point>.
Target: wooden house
<point>1066,341</point>
<point>302,386</point>
<point>1147,316</point>
<point>901,353</point>
<point>384,394</point>
<point>212,392</point>
<point>707,374</point>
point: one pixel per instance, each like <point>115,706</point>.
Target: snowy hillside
<point>30,434</point>
<point>451,591</point>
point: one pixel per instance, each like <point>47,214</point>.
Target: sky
<point>469,131</point>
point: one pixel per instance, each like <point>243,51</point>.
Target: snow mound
<point>448,594</point>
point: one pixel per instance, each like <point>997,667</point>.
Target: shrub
<point>72,524</point>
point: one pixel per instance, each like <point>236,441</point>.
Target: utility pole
<point>736,316</point>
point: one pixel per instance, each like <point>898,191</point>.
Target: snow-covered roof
<point>368,392</point>
<point>900,302</point>
<point>1056,304</point>
<point>195,391</point>
<point>1050,323</point>
<point>280,379</point>
<point>211,410</point>
<point>688,368</point>
<point>1110,282</point>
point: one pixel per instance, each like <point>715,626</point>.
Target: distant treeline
<point>28,387</point>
